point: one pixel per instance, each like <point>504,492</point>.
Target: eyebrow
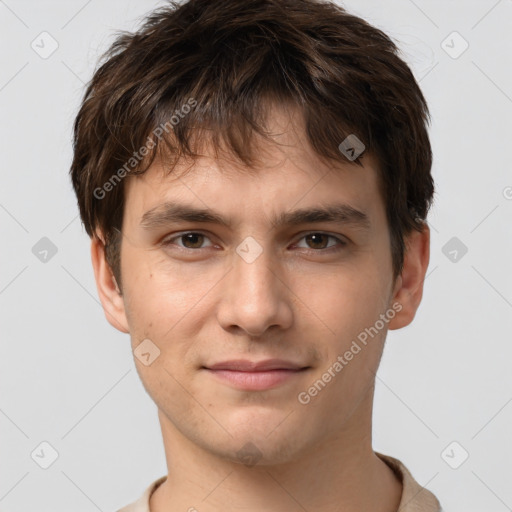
<point>168,213</point>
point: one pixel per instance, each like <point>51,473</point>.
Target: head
<point>239,111</point>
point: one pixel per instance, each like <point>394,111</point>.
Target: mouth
<point>255,376</point>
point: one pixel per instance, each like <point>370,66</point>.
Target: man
<point>255,178</point>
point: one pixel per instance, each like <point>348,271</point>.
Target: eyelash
<point>341,243</point>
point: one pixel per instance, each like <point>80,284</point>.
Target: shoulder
<point>415,498</point>
<point>142,504</point>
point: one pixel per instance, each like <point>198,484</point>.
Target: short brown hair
<point>226,59</point>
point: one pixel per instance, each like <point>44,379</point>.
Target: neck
<point>339,472</point>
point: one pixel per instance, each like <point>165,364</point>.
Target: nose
<point>255,296</point>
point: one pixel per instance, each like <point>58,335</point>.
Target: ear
<point>110,296</point>
<point>408,289</point>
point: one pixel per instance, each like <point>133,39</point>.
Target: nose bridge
<point>255,298</point>
<point>253,270</point>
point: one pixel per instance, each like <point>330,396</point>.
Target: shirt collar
<point>414,497</point>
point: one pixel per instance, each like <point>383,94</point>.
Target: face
<point>261,278</point>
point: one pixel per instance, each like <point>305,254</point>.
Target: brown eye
<point>190,240</point>
<point>317,240</point>
<point>320,242</point>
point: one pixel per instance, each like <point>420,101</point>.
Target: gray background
<point>68,378</point>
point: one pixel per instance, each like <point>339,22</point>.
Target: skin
<point>199,302</point>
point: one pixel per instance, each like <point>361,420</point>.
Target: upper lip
<point>244,365</point>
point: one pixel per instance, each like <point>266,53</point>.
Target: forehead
<point>287,172</point>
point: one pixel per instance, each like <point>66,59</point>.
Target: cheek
<point>156,291</point>
<point>166,304</point>
<point>349,303</point>
<point>348,306</point>
<point>344,299</point>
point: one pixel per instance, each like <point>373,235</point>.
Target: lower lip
<point>255,381</point>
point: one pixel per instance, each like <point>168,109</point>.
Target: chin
<point>259,449</point>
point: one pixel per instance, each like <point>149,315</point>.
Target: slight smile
<point>255,376</point>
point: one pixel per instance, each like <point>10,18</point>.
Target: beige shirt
<point>414,497</point>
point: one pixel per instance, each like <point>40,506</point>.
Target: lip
<point>255,376</point>
<point>244,365</point>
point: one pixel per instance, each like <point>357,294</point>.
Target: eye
<point>191,240</point>
<point>318,241</point>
